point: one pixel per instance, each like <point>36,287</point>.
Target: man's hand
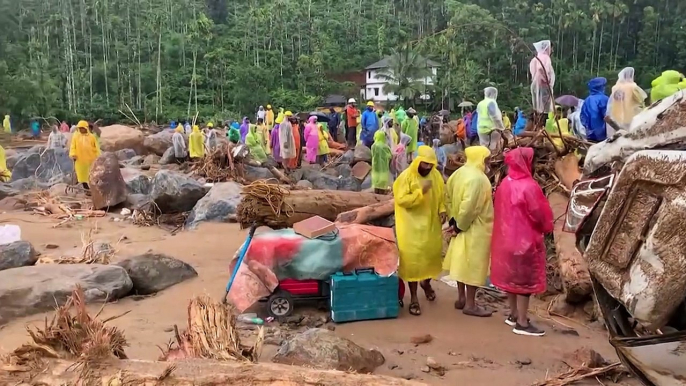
<point>426,185</point>
<point>443,216</point>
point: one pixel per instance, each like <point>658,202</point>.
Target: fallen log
<point>367,214</point>
<point>576,281</point>
<point>278,207</point>
<point>192,373</point>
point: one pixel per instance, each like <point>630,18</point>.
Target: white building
<point>374,86</point>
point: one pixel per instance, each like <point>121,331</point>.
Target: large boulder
<point>137,201</point>
<point>321,180</point>
<point>29,290</point>
<point>125,154</point>
<point>51,166</point>
<point>106,182</point>
<point>348,157</point>
<point>6,190</point>
<point>219,205</point>
<point>174,192</point>
<point>30,183</point>
<point>151,159</point>
<point>362,153</point>
<point>12,160</point>
<point>152,273</point>
<point>118,137</point>
<point>322,349</point>
<point>304,184</point>
<point>254,173</point>
<point>349,183</point>
<point>344,170</point>
<point>168,157</point>
<point>17,254</point>
<point>159,143</point>
<point>136,182</point>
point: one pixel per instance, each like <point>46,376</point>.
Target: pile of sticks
<point>60,207</point>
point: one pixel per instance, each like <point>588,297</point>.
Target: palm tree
<point>405,74</point>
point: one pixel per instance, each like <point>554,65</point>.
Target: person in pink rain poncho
<point>399,158</point>
<point>518,254</point>
<point>542,76</point>
<point>311,135</point>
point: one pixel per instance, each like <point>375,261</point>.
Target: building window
<point>376,91</point>
<point>369,74</point>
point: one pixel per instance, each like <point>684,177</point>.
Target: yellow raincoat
<point>196,148</point>
<point>264,138</point>
<point>270,117</point>
<point>84,149</point>
<point>469,202</point>
<point>5,173</point>
<point>323,147</point>
<point>6,124</point>
<point>417,220</point>
<point>279,118</point>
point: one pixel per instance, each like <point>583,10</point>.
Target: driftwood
<point>367,214</point>
<point>191,373</point>
<point>576,281</point>
<point>278,207</point>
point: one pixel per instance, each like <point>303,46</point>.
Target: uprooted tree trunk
<point>367,214</point>
<point>576,281</point>
<point>278,207</point>
<point>193,373</point>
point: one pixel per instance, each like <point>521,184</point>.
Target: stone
<point>137,201</point>
<point>219,205</point>
<point>106,182</point>
<point>584,356</point>
<point>151,159</point>
<point>347,157</point>
<point>151,272</point>
<point>125,154</point>
<point>30,183</point>
<point>135,161</point>
<point>422,339</point>
<point>159,143</point>
<point>6,190</point>
<point>305,184</point>
<point>344,170</point>
<point>350,184</point>
<point>12,160</point>
<point>174,192</point>
<point>367,183</point>
<point>52,166</point>
<point>119,137</point>
<point>362,154</point>
<point>29,290</point>
<point>17,254</point>
<point>168,157</point>
<point>136,182</point>
<point>322,349</point>
<point>255,173</point>
<point>320,180</point>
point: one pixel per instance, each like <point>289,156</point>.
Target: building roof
<point>335,100</point>
<point>384,63</point>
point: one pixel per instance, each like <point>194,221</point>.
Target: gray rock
<point>347,157</point>
<point>321,180</point>
<point>367,183</point>
<point>350,183</point>
<point>152,273</point>
<point>12,160</point>
<point>6,190</point>
<point>151,159</point>
<point>17,254</point>
<point>159,143</point>
<point>29,183</point>
<point>305,184</point>
<point>37,149</point>
<point>322,349</point>
<point>219,205</point>
<point>174,192</point>
<point>29,290</point>
<point>125,154</point>
<point>52,166</point>
<point>362,153</point>
<point>106,182</point>
<point>134,161</point>
<point>297,174</point>
<point>254,173</point>
<point>137,201</point>
<point>136,182</point>
<point>168,157</point>
<point>386,222</point>
<point>344,170</point>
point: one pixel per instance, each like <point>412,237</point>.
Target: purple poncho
<point>276,147</point>
<point>245,128</point>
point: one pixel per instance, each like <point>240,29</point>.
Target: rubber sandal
<point>415,309</point>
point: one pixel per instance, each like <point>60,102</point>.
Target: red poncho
<point>522,217</point>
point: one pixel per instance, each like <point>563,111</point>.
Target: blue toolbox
<point>363,295</point>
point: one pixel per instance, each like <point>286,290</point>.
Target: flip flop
<point>415,309</point>
<point>429,292</point>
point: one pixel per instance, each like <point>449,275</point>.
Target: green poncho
<point>411,127</point>
<point>381,161</point>
<point>234,135</point>
<point>255,145</point>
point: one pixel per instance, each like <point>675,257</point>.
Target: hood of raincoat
<point>312,119</point>
<point>380,137</point>
<point>626,75</point>
<point>667,77</point>
<point>196,128</point>
<point>476,156</point>
<point>542,47</point>
<point>491,92</point>
<point>178,129</point>
<point>405,139</point>
<point>597,86</point>
<point>519,162</point>
<point>424,154</point>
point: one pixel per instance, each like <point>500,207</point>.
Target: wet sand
<point>475,351</point>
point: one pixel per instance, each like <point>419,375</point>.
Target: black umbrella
<point>321,117</point>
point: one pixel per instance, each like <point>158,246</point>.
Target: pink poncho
<point>311,140</point>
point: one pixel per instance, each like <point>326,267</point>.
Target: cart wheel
<point>280,304</point>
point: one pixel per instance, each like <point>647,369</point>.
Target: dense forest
<point>170,58</point>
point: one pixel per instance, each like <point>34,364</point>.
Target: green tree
<point>406,74</point>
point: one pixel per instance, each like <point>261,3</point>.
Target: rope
<point>272,194</point>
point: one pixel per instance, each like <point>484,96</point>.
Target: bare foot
<point>478,312</point>
<point>460,303</point>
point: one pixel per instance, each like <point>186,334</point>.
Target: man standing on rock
<point>56,139</point>
<point>84,150</point>
<point>351,115</point>
<point>179,143</point>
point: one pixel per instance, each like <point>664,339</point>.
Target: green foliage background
<point>168,58</point>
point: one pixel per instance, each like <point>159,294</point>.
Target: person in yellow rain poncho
<point>506,121</point>
<point>323,146</point>
<point>264,136</point>
<point>419,213</point>
<point>270,117</point>
<point>6,124</point>
<point>665,85</point>
<point>381,163</point>
<point>252,140</point>
<point>196,148</point>
<point>470,209</point>
<point>5,173</point>
<point>280,117</point>
<point>83,150</point>
<point>626,101</point>
<point>551,126</point>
